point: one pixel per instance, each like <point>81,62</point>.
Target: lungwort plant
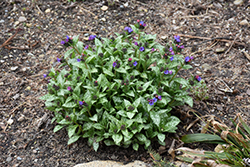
<point>120,91</point>
<point>233,145</point>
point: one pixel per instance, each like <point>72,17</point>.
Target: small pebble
<point>13,68</point>
<point>104,8</point>
<point>9,159</point>
<point>225,97</point>
<point>19,158</point>
<point>1,21</point>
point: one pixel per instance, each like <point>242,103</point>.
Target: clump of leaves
<point>200,90</point>
<point>120,91</point>
<point>233,148</point>
<point>158,161</point>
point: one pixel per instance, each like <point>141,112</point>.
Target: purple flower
<point>67,40</point>
<point>135,63</point>
<point>177,38</point>
<point>92,37</point>
<point>159,97</point>
<point>182,47</point>
<point>141,23</point>
<point>44,75</point>
<point>136,43</point>
<point>166,72</point>
<point>58,59</point>
<point>141,49</point>
<point>86,47</point>
<point>198,78</point>
<point>114,64</point>
<point>172,53</point>
<point>170,72</point>
<point>79,60</point>
<point>67,37</point>
<point>153,49</point>
<point>128,29</point>
<point>191,57</point>
<point>187,59</point>
<point>62,42</point>
<point>80,103</point>
<point>151,102</point>
<point>171,58</point>
<point>154,100</point>
<point>144,25</point>
<point>171,49</point>
<point>69,88</point>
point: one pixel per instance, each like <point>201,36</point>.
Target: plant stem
<point>175,73</point>
<point>89,113</point>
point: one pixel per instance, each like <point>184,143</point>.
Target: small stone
<point>164,37</point>
<point>225,97</point>
<point>16,23</point>
<point>22,19</point>
<point>28,88</point>
<point>220,50</point>
<point>16,96</point>
<point>1,83</point>
<point>41,56</point>
<point>198,72</point>
<point>103,19</point>
<point>24,69</point>
<point>34,151</point>
<point>126,4</point>
<point>20,119</point>
<point>220,108</point>
<point>104,8</point>
<point>96,0</point>
<point>10,121</point>
<point>86,35</point>
<point>206,67</point>
<point>19,158</point>
<point>30,54</point>
<point>13,68</point>
<point>1,21</point>
<point>35,160</point>
<point>29,25</point>
<point>2,61</point>
<point>9,159</point>
<point>244,23</point>
<point>47,11</point>
<point>238,2</point>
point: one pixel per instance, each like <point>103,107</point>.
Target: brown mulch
<point>30,35</point>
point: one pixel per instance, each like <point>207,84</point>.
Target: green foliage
<point>200,90</point>
<point>113,93</point>
<point>234,144</point>
<point>158,161</point>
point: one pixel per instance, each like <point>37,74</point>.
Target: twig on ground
<point>88,12</point>
<point>247,55</point>
<point>39,9</point>
<point>223,39</point>
<point>213,44</point>
<point>231,44</point>
<point>10,38</point>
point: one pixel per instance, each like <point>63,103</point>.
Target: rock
<point>244,23</point>
<point>47,11</point>
<point>111,164</point>
<point>2,61</point>
<point>29,25</point>
<point>220,108</point>
<point>220,50</point>
<point>16,96</point>
<point>13,68</point>
<point>206,67</point>
<point>1,83</point>
<point>19,158</point>
<point>1,21</point>
<point>238,2</point>
<point>103,19</point>
<point>10,121</point>
<point>126,4</point>
<point>9,159</point>
<point>28,88</point>
<point>164,37</point>
<point>20,119</point>
<point>104,8</point>
<point>30,54</point>
<point>22,19</point>
<point>96,0</point>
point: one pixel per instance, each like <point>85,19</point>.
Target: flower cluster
<point>128,29</point>
<point>154,100</point>
<point>177,38</point>
<point>68,41</point>
<point>141,24</point>
<point>188,59</point>
<point>116,64</point>
<point>198,78</point>
<point>83,103</point>
<point>92,37</point>
<point>168,72</point>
